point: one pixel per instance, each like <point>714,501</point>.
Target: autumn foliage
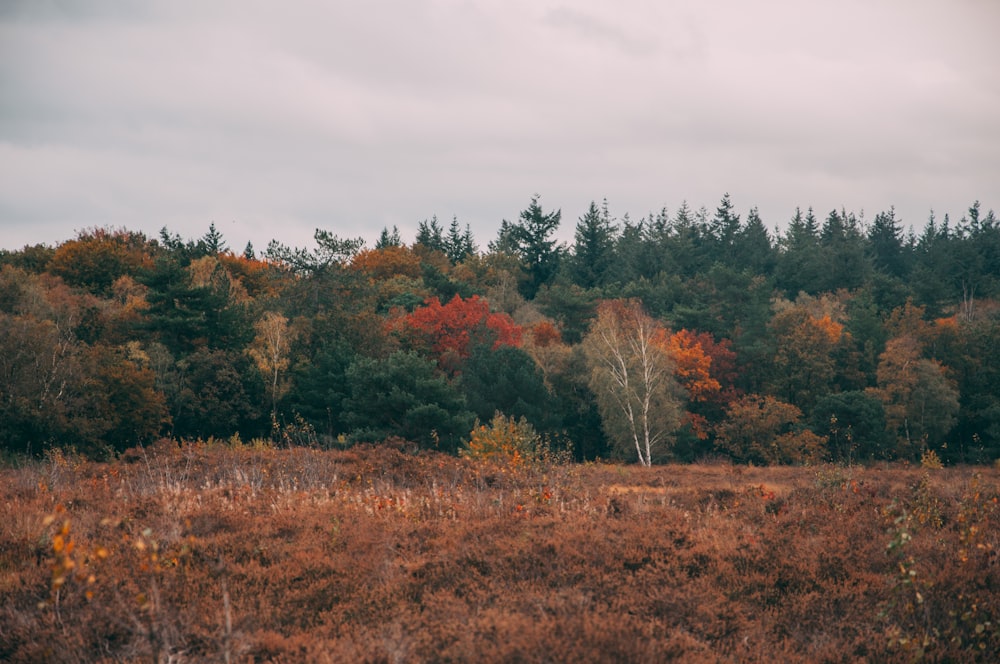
<point>448,331</point>
<point>641,338</point>
<point>225,552</point>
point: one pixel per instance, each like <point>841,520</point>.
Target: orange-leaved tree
<point>804,367</point>
<point>706,370</point>
<point>692,365</point>
<point>921,403</point>
<point>97,257</point>
<point>763,429</point>
<point>387,262</point>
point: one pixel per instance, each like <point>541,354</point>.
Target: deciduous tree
<point>270,351</point>
<point>763,429</point>
<point>447,331</point>
<point>633,378</point>
<point>98,257</point>
<point>920,402</point>
<point>804,364</point>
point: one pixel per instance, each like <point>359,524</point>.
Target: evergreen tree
<point>507,380</point>
<point>930,278</point>
<point>431,235</point>
<point>388,239</point>
<point>754,250</point>
<point>630,256</point>
<point>688,242</point>
<point>885,245</point>
<point>797,269</point>
<point>458,244</point>
<point>658,256</point>
<point>979,254</point>
<point>593,248</point>
<point>404,395</point>
<point>531,240</point>
<point>213,242</point>
<point>724,230</point>
<point>842,253</point>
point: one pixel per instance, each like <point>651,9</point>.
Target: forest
<point>684,336</point>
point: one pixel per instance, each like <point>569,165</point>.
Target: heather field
<point>216,552</point>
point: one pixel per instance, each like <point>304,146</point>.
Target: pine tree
<point>593,247</point>
<point>458,244</point>
<point>724,230</point>
<point>754,249</point>
<point>797,269</point>
<point>213,242</point>
<point>885,245</point>
<point>388,239</point>
<point>431,235</point>
<point>531,240</point>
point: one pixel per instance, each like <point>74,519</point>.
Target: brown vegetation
<point>212,552</point>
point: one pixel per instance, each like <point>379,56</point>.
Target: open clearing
<point>213,553</point>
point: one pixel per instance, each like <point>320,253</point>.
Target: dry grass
<point>209,553</point>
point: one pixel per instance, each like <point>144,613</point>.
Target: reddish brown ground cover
<point>213,553</point>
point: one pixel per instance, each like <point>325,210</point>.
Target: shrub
<point>505,439</point>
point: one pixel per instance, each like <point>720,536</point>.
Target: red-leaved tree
<point>447,332</point>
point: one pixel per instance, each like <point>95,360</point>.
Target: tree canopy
<point>679,334</point>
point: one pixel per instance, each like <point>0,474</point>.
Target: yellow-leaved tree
<point>270,351</point>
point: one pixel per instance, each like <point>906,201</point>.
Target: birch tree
<point>632,377</point>
<point>270,351</point>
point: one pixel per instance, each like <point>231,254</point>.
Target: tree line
<point>680,336</point>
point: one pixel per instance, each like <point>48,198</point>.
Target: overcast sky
<point>272,119</point>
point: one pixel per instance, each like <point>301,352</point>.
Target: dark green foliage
<point>798,269</point>
<point>854,424</point>
<point>458,244</point>
<point>403,395</point>
<point>213,242</point>
<point>754,249</point>
<point>331,252</point>
<point>507,380</point>
<point>971,353</point>
<point>186,317</point>
<point>221,394</point>
<point>866,326</point>
<point>841,259</point>
<point>431,235</point>
<point>32,258</point>
<point>319,388</point>
<point>593,250</point>
<point>441,285</point>
<point>388,239</point>
<point>570,306</point>
<point>574,400</point>
<point>885,246</point>
<point>724,232</point>
<point>531,239</point>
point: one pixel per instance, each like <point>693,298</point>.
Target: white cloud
<point>271,119</point>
